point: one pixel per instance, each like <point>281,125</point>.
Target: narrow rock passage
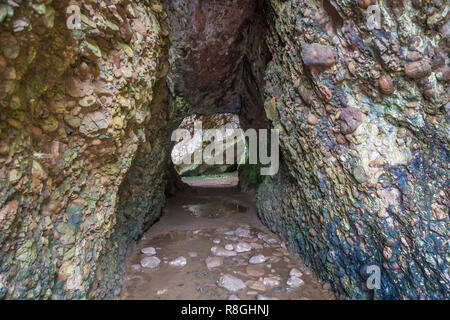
<point>210,244</point>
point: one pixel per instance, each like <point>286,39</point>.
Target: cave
<point>355,93</point>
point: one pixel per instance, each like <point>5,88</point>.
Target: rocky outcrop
<point>76,111</point>
<point>363,116</point>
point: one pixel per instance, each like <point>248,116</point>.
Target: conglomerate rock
<point>363,116</point>
<point>75,111</point>
<point>361,103</point>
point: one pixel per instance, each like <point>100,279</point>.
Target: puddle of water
<point>216,209</point>
<point>195,281</point>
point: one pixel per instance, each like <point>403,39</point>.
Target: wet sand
<point>199,219</point>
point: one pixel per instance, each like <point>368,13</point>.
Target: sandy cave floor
<point>213,224</point>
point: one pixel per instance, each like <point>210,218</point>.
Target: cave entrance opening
<point>208,226</point>
<point>208,150</point>
<point>209,242</point>
<point>209,229</point>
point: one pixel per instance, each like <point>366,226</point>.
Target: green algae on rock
<point>344,205</point>
<point>59,117</point>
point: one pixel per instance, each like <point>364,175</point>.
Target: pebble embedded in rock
<point>364,4</point>
<point>3,12</point>
<point>95,122</point>
<point>10,74</point>
<point>294,282</point>
<point>87,101</point>
<point>150,262</point>
<point>213,262</point>
<point>229,247</point>
<point>340,139</point>
<point>271,281</point>
<point>255,271</point>
<point>257,259</point>
<point>318,56</point>
<point>386,84</point>
<point>418,69</point>
<point>256,285</point>
<point>2,63</point>
<point>242,232</point>
<point>243,247</point>
<point>4,149</point>
<point>231,283</point>
<point>178,262</point>
<point>150,251</point>
<point>10,46</point>
<point>295,273</point>
<point>222,252</point>
<point>78,88</point>
<point>350,119</point>
<point>312,119</point>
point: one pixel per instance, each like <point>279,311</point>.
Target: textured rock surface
<point>75,112</point>
<point>363,113</point>
<point>366,170</point>
<point>209,41</point>
<point>231,283</point>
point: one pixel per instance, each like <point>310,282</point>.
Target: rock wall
<point>254,63</point>
<point>363,114</point>
<point>75,112</point>
<point>141,198</point>
<point>362,109</point>
<point>209,41</point>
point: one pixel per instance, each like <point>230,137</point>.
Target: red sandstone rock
<point>418,69</point>
<point>350,119</point>
<point>318,56</point>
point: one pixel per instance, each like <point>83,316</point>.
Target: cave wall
<point>209,40</point>
<point>362,112</point>
<point>141,198</point>
<point>363,117</point>
<point>252,114</point>
<point>76,110</point>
